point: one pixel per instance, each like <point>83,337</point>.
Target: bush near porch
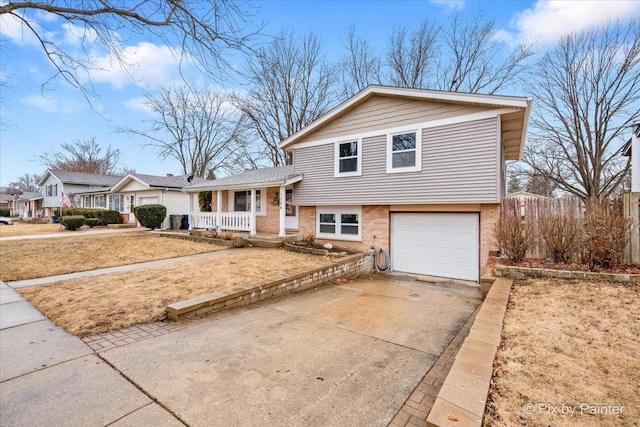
<point>564,231</point>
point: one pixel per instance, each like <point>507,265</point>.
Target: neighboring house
<point>419,173</point>
<point>137,189</point>
<point>522,197</point>
<point>27,204</point>
<point>54,182</point>
<point>4,200</point>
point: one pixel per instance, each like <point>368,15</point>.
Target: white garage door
<point>436,244</point>
<point>148,200</point>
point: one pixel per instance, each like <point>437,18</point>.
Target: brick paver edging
<point>512,272</point>
<point>250,293</point>
<point>461,400</point>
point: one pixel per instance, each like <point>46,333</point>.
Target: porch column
<point>253,231</point>
<point>635,157</point>
<point>283,210</point>
<point>191,217</point>
<point>218,208</point>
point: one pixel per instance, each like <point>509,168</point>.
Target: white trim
<point>454,97</point>
<point>418,150</point>
<point>422,125</point>
<point>499,162</point>
<point>337,211</point>
<point>241,187</point>
<point>336,158</point>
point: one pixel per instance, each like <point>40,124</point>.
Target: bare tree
<point>204,30</point>
<point>82,156</point>
<point>291,86</point>
<point>410,56</point>
<point>473,61</point>
<point>360,67</point>
<point>195,125</point>
<point>587,94</point>
<point>25,182</point>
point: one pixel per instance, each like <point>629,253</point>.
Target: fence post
<point>632,210</point>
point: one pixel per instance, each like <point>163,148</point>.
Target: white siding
<point>458,166</point>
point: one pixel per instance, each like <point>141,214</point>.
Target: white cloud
<point>14,29</point>
<point>146,65</point>
<point>450,4</point>
<point>77,35</point>
<point>548,20</point>
<point>138,104</point>
<point>52,105</point>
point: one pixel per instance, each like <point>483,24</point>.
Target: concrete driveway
<point>341,355</point>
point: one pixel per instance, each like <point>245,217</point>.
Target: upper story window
<point>348,158</point>
<point>404,152</point>
<point>52,190</point>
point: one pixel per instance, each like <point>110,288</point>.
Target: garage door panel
<point>437,244</point>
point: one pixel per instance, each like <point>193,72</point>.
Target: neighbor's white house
<point>136,189</point>
<point>54,182</point>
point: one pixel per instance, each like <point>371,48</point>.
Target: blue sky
<point>37,121</point>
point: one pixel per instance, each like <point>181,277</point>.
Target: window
<point>340,223</point>
<point>52,190</point>
<point>327,223</point>
<point>87,202</point>
<point>116,202</point>
<point>99,201</point>
<point>404,152</point>
<point>242,201</point>
<point>348,159</point>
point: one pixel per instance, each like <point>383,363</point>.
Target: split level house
<point>419,173</point>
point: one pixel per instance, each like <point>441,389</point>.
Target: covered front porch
<point>257,201</point>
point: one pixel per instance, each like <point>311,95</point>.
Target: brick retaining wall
<point>511,272</point>
<point>250,293</point>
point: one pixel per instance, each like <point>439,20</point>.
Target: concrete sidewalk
<point>118,268</point>
<point>77,233</point>
<point>49,377</point>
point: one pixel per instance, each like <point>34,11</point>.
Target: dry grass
<point>113,301</point>
<point>29,259</point>
<point>568,346</point>
<point>25,229</point>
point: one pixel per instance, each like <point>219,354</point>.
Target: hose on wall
<point>376,261</point>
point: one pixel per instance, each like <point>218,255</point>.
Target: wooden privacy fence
<point>531,210</point>
<point>631,209</point>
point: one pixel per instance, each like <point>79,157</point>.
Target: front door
<point>132,204</point>
<point>291,218</point>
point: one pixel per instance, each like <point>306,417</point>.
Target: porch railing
<point>235,221</point>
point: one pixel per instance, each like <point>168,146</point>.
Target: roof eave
<point>277,183</point>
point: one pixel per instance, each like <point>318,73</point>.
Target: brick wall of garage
<point>489,215</point>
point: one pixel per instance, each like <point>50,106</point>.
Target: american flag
<point>65,200</point>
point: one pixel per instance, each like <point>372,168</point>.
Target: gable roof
<point>516,122</point>
<point>266,177</point>
<point>156,181</point>
<point>526,194</point>
<point>80,178</point>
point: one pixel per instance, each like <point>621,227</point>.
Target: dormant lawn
<point>570,355</point>
<point>113,301</point>
<point>29,259</point>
